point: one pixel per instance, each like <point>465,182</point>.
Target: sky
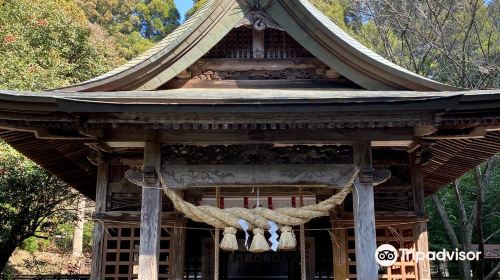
<point>183,6</point>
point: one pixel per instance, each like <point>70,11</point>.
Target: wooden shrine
<point>258,106</point>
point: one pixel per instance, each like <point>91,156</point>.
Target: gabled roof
<point>55,128</point>
<point>299,18</point>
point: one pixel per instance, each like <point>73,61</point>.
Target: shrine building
<point>256,141</point>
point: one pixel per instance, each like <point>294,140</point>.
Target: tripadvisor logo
<point>386,255</point>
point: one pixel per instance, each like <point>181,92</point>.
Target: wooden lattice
<point>121,253</point>
<point>402,236</point>
<point>239,44</point>
<point>279,45</point>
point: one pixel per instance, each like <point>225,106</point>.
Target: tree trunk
<point>465,269</point>
<point>479,225</point>
<point>7,250</point>
<point>78,229</point>
<point>493,273</point>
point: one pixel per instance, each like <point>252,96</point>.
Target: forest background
<point>52,43</point>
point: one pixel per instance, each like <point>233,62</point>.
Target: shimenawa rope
<point>256,218</point>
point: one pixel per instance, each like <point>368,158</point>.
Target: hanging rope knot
<point>288,241</point>
<point>259,242</point>
<point>229,242</point>
<point>258,231</point>
<point>230,230</point>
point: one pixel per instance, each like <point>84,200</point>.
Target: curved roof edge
<point>208,25</point>
<point>329,43</point>
<point>306,24</point>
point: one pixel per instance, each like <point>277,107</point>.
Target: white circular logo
<point>386,255</point>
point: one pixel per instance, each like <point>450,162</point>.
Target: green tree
<point>43,44</point>
<point>197,5</point>
<point>136,25</point>
<point>49,44</point>
<point>31,201</point>
<point>454,42</point>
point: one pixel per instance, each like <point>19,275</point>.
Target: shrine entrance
<point>269,265</point>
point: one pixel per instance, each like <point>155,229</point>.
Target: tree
<point>31,201</point>
<point>43,44</point>
<point>197,5</point>
<point>454,42</point>
<point>136,25</point>
<point>49,44</point>
<point>467,210</point>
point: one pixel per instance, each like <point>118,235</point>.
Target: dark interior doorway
<point>264,266</point>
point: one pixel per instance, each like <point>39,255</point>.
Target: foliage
<point>62,236</point>
<point>136,25</point>
<point>31,201</point>
<point>454,42</point>
<point>197,5</point>
<point>467,188</point>
<point>30,244</point>
<point>49,44</point>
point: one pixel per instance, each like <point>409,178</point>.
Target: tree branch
<point>446,221</point>
<point>493,273</point>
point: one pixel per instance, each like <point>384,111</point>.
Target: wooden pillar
<point>149,251</point>
<point>100,207</point>
<point>78,228</point>
<point>177,250</point>
<point>340,265</point>
<point>364,213</point>
<point>417,182</point>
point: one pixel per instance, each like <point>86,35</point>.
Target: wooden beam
<point>243,65</point>
<point>474,133</point>
<point>132,218</point>
<point>421,235</point>
<point>327,175</point>
<point>364,213</point>
<point>100,207</point>
<point>251,136</point>
<point>149,252</point>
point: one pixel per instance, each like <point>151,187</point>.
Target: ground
<point>27,263</point>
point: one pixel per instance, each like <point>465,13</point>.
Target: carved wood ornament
<point>257,18</point>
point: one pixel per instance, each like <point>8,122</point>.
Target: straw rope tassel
<point>303,273</point>
<point>216,239</point>
<point>229,242</point>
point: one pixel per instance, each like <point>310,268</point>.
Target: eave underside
<point>460,130</point>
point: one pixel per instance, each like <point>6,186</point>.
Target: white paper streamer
<point>244,225</point>
<point>274,236</point>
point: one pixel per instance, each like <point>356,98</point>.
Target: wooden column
<point>417,182</point>
<point>177,250</point>
<point>149,251</point>
<point>100,207</point>
<point>364,213</point>
<point>340,266</point>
